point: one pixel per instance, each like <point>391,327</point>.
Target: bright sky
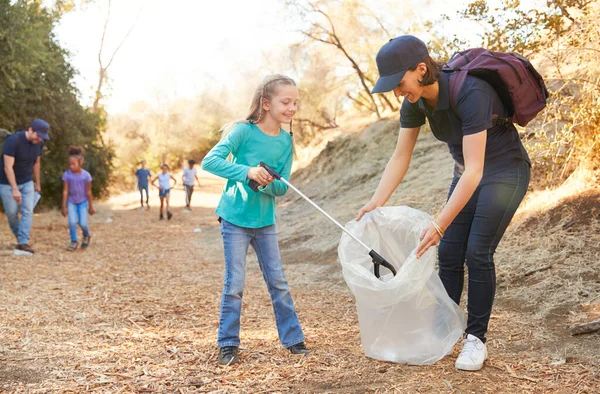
<point>180,46</point>
<point>175,47</point>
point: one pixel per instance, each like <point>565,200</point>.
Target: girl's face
<point>74,164</point>
<point>409,86</point>
<point>164,170</point>
<point>284,104</point>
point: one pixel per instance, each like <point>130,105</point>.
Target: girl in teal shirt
<point>248,218</point>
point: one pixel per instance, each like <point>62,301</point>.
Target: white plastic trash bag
<point>407,318</point>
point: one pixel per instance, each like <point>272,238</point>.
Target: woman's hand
<point>64,211</point>
<point>260,175</point>
<point>430,237</point>
<point>368,207</point>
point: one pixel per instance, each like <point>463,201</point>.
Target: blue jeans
<point>473,237</point>
<point>142,189</point>
<point>19,227</point>
<point>78,215</point>
<point>264,241</point>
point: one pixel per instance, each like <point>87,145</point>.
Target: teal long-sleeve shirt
<point>249,146</point>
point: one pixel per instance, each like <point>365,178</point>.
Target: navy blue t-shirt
<point>25,154</point>
<point>475,103</point>
<point>142,175</point>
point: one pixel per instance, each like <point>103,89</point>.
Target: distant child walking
<point>77,198</point>
<point>189,180</point>
<point>247,217</point>
<point>143,175</point>
<point>164,187</point>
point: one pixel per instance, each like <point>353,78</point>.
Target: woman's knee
<point>450,256</point>
<point>479,257</point>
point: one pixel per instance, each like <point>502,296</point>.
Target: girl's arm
<point>91,209</point>
<point>197,180</point>
<point>65,195</point>
<point>174,180</point>
<point>216,162</point>
<point>154,180</point>
<point>278,188</point>
<point>394,170</point>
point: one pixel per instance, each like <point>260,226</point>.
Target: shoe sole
<point>17,252</point>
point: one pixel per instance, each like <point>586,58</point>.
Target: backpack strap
<point>457,78</point>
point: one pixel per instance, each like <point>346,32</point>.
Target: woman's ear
<point>422,67</point>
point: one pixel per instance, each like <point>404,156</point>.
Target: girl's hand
<point>430,237</point>
<point>260,175</point>
<point>368,207</point>
<point>91,210</point>
<point>64,211</point>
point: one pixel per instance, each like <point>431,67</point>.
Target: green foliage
<point>562,38</point>
<point>36,81</point>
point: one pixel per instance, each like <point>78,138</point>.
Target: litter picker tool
<point>378,260</point>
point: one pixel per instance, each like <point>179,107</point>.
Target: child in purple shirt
<point>77,197</point>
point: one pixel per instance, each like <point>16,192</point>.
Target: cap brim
<point>388,83</point>
<point>43,135</point>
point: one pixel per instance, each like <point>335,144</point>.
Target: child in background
<point>77,198</point>
<point>248,217</point>
<point>164,187</point>
<point>189,179</point>
<point>143,175</point>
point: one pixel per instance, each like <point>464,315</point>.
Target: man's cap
<point>41,127</point>
<point>395,58</point>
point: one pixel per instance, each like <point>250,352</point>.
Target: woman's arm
<point>474,154</point>
<point>394,170</point>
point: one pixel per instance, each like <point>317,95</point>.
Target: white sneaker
<point>473,354</point>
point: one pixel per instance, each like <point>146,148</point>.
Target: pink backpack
<point>520,87</point>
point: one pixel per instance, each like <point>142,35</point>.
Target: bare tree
<point>102,74</point>
<point>326,33</point>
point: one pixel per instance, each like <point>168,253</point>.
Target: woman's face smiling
<point>409,87</point>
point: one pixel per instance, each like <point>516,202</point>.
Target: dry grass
<point>137,312</point>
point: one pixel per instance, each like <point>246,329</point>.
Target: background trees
<point>36,81</point>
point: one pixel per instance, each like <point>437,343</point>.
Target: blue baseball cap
<point>395,58</point>
<point>41,127</point>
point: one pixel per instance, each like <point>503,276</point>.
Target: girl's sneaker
<point>228,355</point>
<point>23,250</point>
<point>161,217</point>
<point>86,242</point>
<point>299,348</point>
<point>72,246</point>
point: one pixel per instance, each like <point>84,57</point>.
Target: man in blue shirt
<point>143,174</point>
<point>20,179</point>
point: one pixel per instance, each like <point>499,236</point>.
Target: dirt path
<point>138,311</point>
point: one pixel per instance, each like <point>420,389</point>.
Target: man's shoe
<point>228,355</point>
<point>473,354</point>
<point>23,250</point>
<point>299,348</point>
<point>86,242</point>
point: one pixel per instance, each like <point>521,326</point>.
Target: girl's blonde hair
<point>264,91</point>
